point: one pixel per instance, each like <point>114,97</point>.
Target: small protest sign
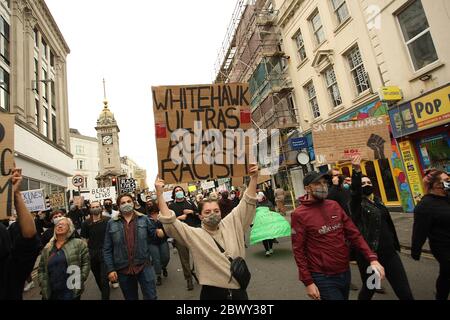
<point>34,200</point>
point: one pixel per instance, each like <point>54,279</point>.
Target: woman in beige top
<point>279,200</point>
<point>213,266</point>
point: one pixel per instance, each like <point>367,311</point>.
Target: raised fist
<point>376,143</point>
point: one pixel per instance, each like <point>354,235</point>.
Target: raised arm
<point>25,218</point>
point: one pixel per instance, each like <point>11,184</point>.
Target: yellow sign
<point>192,188</point>
<point>412,170</point>
<point>432,109</point>
<point>392,93</point>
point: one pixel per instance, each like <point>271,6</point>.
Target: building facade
<point>33,82</point>
<point>132,170</point>
<point>85,160</point>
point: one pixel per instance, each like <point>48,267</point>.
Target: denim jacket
<point>115,250</point>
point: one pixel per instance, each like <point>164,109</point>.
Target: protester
<point>234,198</point>
<point>347,183</point>
<point>280,196</point>
<point>375,224</point>
<point>225,204</point>
<point>213,265</point>
<point>127,251</point>
<point>337,192</point>
<point>18,250</point>
<point>269,193</point>
<point>93,231</point>
<point>186,212</point>
<point>50,232</point>
<point>320,229</point>
<point>159,247</point>
<point>76,215</point>
<point>262,201</point>
<point>432,221</point>
<point>63,256</point>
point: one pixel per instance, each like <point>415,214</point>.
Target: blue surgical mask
<point>346,186</point>
<point>179,195</point>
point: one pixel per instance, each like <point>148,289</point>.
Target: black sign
<point>127,185</point>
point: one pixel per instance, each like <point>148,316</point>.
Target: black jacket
<point>341,196</point>
<point>367,215</point>
<point>17,258</point>
<point>432,221</point>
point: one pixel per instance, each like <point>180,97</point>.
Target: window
<point>45,93</point>
<point>340,10</point>
<point>53,92</point>
<point>318,28</point>
<point>52,59</point>
<point>85,182</point>
<point>4,90</point>
<point>311,91</point>
<point>36,113</point>
<point>4,39</point>
<point>359,74</point>
<point>416,32</point>
<point>36,75</point>
<point>36,39</point>
<point>332,87</point>
<point>54,125</point>
<point>80,164</point>
<point>45,126</point>
<point>300,46</point>
<point>79,149</point>
<point>44,49</point>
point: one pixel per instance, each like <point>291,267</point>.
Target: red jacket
<point>319,233</point>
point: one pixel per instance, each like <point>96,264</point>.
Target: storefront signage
<point>423,113</point>
<point>6,164</point>
<point>299,143</point>
<point>392,93</point>
<point>412,170</point>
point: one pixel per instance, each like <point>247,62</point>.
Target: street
<point>274,278</point>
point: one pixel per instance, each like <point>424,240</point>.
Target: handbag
<point>238,268</point>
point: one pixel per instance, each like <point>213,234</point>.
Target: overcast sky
<point>136,44</point>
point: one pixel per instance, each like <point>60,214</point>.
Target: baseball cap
<point>313,176</point>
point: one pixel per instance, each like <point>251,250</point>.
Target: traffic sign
<point>78,181</point>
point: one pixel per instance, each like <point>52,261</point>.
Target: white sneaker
<point>28,286</point>
<point>267,253</point>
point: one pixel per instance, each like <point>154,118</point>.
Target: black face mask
<point>108,208</point>
<point>367,190</point>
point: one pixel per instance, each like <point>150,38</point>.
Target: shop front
<point>422,130</point>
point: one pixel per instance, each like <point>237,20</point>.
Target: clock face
<point>303,158</point>
<point>107,140</point>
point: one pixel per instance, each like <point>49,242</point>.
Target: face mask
<point>212,220</point>
<point>154,198</point>
<point>321,193</point>
<point>127,208</point>
<point>56,220</point>
<point>10,223</point>
<point>73,207</point>
<point>108,207</point>
<point>233,196</point>
<point>346,186</point>
<point>96,211</point>
<point>179,195</point>
<point>446,185</point>
<point>367,190</point>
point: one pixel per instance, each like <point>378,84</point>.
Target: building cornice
<point>288,10</point>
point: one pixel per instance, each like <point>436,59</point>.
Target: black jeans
<point>395,274</point>
<point>268,244</point>
<point>443,280</point>
<point>98,268</point>
<point>215,293</point>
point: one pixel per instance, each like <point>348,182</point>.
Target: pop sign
<point>78,181</point>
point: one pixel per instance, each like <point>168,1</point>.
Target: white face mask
<point>11,222</point>
<point>56,220</point>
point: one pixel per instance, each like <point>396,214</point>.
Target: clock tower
<point>108,146</point>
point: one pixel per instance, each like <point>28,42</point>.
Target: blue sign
<point>299,143</point>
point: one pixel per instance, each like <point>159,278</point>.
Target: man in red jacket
<point>320,229</point>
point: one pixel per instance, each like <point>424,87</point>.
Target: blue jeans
<point>146,279</point>
<point>334,287</point>
<point>160,256</point>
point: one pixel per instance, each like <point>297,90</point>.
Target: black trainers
<point>190,285</point>
<point>165,274</point>
<point>158,281</point>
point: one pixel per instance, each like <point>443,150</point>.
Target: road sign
<point>299,143</point>
<point>78,181</point>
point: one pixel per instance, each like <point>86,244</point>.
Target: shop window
<point>346,171</point>
<point>34,185</point>
<point>371,173</point>
<point>435,152</point>
<point>24,184</point>
<point>388,180</point>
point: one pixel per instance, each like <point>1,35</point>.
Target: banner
<point>206,185</point>
<point>368,138</point>
<point>57,200</point>
<point>6,164</point>
<point>202,131</point>
<point>34,200</point>
<point>412,170</point>
<point>102,194</point>
<point>127,185</point>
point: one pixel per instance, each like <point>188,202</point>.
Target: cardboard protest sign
<point>368,138</point>
<point>34,200</point>
<point>167,196</point>
<point>102,194</point>
<point>56,200</point>
<point>203,131</point>
<point>127,185</point>
<point>237,182</point>
<point>192,188</point>
<point>206,185</point>
<point>6,164</point>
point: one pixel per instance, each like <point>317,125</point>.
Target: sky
<point>136,44</point>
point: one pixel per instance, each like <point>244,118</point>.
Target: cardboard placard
<point>167,196</point>
<point>206,185</point>
<point>369,138</point>
<point>192,189</point>
<point>34,200</point>
<point>201,131</point>
<point>127,185</point>
<point>237,182</point>
<point>102,194</point>
<point>56,200</point>
<point>6,164</point>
